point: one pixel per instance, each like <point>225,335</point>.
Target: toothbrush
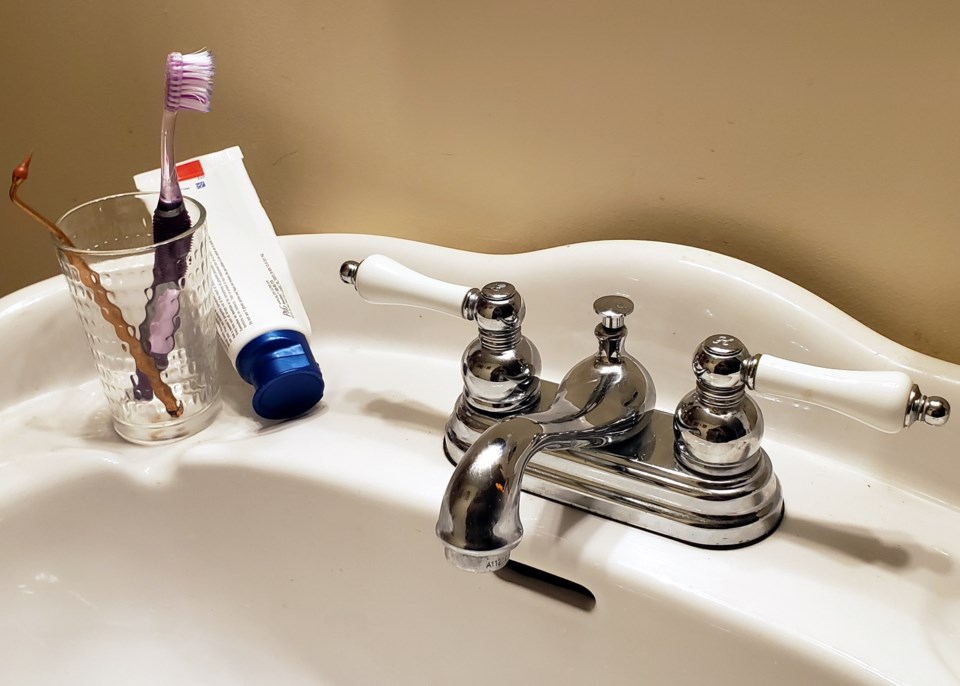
<point>189,80</point>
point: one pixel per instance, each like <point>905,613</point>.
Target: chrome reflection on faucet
<point>596,441</point>
<point>606,398</point>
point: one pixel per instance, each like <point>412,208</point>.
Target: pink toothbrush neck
<point>169,183</point>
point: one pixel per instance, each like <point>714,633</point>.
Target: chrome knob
<point>719,363</point>
<point>935,412</point>
<point>348,272</point>
<point>932,410</point>
<point>613,309</point>
<point>498,291</point>
<point>717,427</point>
<point>498,311</point>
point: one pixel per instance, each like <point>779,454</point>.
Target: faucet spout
<point>604,399</point>
<point>479,521</point>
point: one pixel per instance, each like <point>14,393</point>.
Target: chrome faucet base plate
<point>640,483</point>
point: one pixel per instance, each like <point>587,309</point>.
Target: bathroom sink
<point>242,575</point>
<point>303,552</point>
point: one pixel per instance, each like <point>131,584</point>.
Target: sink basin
<point>239,575</point>
<point>303,552</point>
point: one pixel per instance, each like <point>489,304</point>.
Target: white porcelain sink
<point>304,552</point>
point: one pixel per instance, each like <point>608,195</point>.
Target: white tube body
<point>253,288</point>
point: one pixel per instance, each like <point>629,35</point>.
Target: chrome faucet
<point>606,398</point>
<point>596,441</point>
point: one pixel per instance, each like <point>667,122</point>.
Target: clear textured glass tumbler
<point>147,311</point>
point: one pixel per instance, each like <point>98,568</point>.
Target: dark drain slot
<point>549,585</point>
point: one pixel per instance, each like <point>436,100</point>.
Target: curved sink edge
<point>831,315</point>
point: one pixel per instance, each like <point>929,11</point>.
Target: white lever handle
<point>383,281</point>
<point>882,400</point>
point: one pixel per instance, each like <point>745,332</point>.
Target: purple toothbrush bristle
<point>189,81</point>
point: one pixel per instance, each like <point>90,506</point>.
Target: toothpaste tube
<point>261,321</point>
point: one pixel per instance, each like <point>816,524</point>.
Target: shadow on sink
<point>866,546</point>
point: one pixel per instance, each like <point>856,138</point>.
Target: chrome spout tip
<point>348,272</point>
<point>477,561</point>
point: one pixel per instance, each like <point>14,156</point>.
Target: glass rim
<point>119,252</point>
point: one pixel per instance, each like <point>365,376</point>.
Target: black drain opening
<point>549,585</point>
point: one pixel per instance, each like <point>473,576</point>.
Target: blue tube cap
<point>284,373</point>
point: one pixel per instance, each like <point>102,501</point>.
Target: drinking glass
<point>147,312</point>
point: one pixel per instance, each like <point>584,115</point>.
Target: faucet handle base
<point>640,482</point>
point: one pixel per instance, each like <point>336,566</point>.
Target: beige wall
<point>820,140</point>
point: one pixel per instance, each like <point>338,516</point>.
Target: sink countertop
<point>862,574</point>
